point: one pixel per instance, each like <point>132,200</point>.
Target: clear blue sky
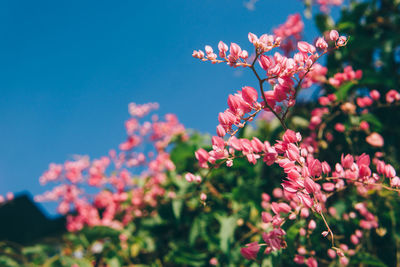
<point>68,70</point>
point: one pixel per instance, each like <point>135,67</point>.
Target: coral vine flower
<point>375,139</point>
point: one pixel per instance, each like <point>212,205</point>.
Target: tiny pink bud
<point>344,261</point>
<point>213,261</point>
<point>364,125</point>
<point>321,43</point>
<point>190,177</point>
<point>203,197</point>
<point>265,62</point>
<point>302,250</point>
<point>340,253</point>
<point>334,35</point>
<point>221,131</point>
<point>209,49</point>
<point>198,179</point>
<point>304,213</point>
<point>266,217</point>
<point>302,232</point>
<point>390,172</point>
<point>375,95</point>
<point>249,94</point>
<point>340,127</point>
<point>252,38</point>
<point>312,225</point>
<point>310,186</point>
<point>265,197</point>
<point>244,54</point>
<point>354,239</point>
<point>10,196</point>
<point>331,253</point>
<point>342,41</point>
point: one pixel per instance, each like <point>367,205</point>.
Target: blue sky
<point>68,70</point>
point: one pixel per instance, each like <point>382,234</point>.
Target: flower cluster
<point>348,75</point>
<point>290,32</point>
<point>120,196</point>
<point>308,182</point>
<point>324,5</point>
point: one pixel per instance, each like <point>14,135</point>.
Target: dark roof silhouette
<point>23,222</point>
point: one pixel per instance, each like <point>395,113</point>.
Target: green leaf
<point>69,261</point>
<point>323,22</point>
<point>367,260</point>
<point>99,232</point>
<point>177,205</point>
<point>226,231</point>
<point>8,262</point>
<point>342,92</point>
<point>291,235</point>
<point>372,119</point>
<point>347,25</point>
<point>113,262</point>
<point>300,121</point>
<point>194,231</point>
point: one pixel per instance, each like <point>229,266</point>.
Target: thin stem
<point>261,85</point>
<point>329,229</point>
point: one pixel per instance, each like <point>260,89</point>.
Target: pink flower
<point>315,167</point>
<point>274,239</point>
<point>289,136</point>
<point>375,140</point>
<point>331,253</point>
<point>347,161</point>
<point>235,50</point>
<point>325,167</point>
<point>311,262</point>
<point>305,47</point>
<point>312,225</point>
<point>321,43</point>
<point>390,171</point>
<point>305,199</point>
<point>203,197</point>
<point>213,261</point>
<point>265,62</point>
<point>344,261</point>
<point>9,196</point>
<point>249,94</point>
<point>299,259</point>
<point>364,125</point>
<point>392,96</point>
<point>266,217</point>
<point>223,48</point>
<point>342,41</point>
<point>221,131</point>
<point>375,95</point>
<point>202,156</point>
<point>250,251</point>
<point>310,186</point>
<point>333,35</point>
<point>252,38</point>
<point>395,182</point>
<point>340,127</point>
<point>293,152</point>
<point>329,187</point>
<point>354,239</point>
